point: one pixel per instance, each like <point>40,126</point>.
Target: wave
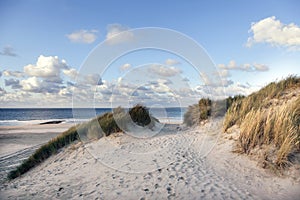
<point>36,122</point>
<point>177,120</point>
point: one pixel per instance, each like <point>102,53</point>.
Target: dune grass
<point>45,151</point>
<point>102,125</point>
<point>258,100</point>
<point>207,108</point>
<point>271,128</point>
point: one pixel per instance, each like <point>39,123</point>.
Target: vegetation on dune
<point>140,115</point>
<point>230,100</point>
<point>45,151</point>
<point>258,100</point>
<point>269,122</point>
<point>103,125</point>
<point>207,108</point>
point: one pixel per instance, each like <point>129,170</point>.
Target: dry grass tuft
<point>263,124</point>
<point>257,100</point>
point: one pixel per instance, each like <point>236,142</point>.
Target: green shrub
<point>108,124</point>
<point>140,115</point>
<point>198,112</point>
<point>205,108</point>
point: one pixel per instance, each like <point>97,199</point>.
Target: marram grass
<point>273,129</point>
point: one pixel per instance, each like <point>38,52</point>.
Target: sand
<point>177,163</point>
<point>19,142</point>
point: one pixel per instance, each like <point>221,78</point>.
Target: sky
<point>46,48</point>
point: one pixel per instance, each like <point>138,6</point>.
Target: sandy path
<point>179,167</point>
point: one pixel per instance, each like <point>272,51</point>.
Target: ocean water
<point>22,116</point>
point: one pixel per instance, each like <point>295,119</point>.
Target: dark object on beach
<point>52,122</point>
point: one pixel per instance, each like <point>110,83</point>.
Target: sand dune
<point>177,163</point>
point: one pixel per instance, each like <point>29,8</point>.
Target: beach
<point>19,142</point>
<point>177,163</point>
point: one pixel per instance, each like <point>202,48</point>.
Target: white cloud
<point>223,91</point>
<point>89,79</point>
<point>46,67</point>
<point>92,79</point>
<point>260,67</point>
<point>83,36</point>
<point>15,98</point>
<point>13,73</point>
<point>125,67</point>
<point>170,61</point>
<point>164,70</point>
<point>237,88</point>
<point>31,84</point>
<point>68,91</point>
<point>244,67</point>
<point>72,73</point>
<point>36,85</point>
<point>117,33</point>
<point>274,32</point>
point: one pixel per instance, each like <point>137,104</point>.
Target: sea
<point>24,116</point>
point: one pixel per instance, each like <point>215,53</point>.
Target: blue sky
<point>250,42</point>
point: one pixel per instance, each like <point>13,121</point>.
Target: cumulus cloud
<point>83,36</point>
<point>272,31</point>
<point>71,73</point>
<point>85,79</point>
<point>244,67</point>
<point>117,33</point>
<point>164,70</point>
<point>170,61</point>
<point>221,92</point>
<point>125,67</point>
<point>92,79</point>
<point>36,85</point>
<point>13,83</point>
<point>13,73</point>
<point>46,67</point>
<point>31,84</point>
<point>238,88</point>
<point>8,51</point>
<point>218,80</point>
